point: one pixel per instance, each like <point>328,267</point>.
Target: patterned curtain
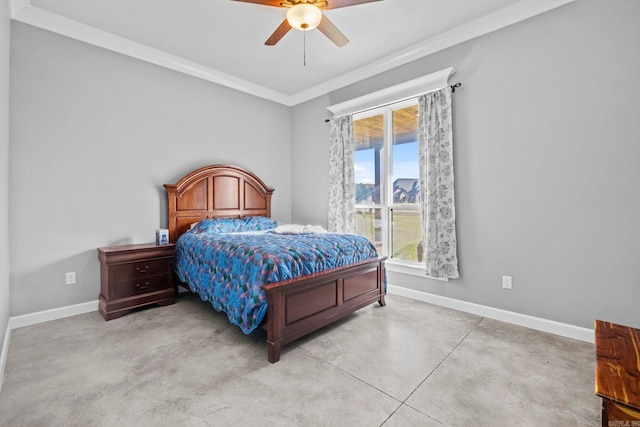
<point>436,184</point>
<point>342,199</point>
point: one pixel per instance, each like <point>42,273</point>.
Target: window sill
<point>412,269</point>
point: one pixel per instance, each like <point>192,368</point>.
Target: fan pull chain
<point>304,48</point>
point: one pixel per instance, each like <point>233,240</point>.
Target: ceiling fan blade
<point>332,32</point>
<point>278,33</point>
<point>276,3</point>
<point>335,4</point>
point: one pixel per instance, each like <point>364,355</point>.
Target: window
<point>385,138</point>
<point>386,179</point>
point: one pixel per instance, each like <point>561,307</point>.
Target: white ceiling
<point>223,40</point>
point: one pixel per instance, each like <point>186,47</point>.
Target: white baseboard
<point>5,352</point>
<point>53,314</point>
<point>562,329</point>
<point>40,317</point>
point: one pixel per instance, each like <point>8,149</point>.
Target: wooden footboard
<point>304,304</point>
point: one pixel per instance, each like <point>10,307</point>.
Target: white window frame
<point>362,107</point>
<point>386,204</point>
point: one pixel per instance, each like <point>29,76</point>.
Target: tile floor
<point>406,364</point>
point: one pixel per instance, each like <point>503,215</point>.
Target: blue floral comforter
<point>226,261</point>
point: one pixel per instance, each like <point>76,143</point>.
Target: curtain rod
<point>453,90</point>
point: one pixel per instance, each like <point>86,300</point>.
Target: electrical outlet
<point>71,278</point>
<point>507,282</point>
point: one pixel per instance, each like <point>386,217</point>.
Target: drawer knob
<point>142,270</point>
<point>141,287</point>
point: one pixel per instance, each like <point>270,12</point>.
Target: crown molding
<point>512,14</point>
<point>22,11</point>
<point>17,5</point>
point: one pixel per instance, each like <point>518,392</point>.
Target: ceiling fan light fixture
<point>304,16</point>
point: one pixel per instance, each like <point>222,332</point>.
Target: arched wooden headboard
<point>216,191</point>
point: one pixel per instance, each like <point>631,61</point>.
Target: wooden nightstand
<point>133,276</point>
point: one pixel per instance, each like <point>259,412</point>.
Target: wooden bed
<point>297,306</point>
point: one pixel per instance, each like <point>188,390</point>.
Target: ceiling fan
<point>305,15</point>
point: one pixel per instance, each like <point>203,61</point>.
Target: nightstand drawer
<point>141,269</point>
<point>142,285</point>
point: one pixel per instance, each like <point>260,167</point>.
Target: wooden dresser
<point>133,276</point>
<point>618,374</point>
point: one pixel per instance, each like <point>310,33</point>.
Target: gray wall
<point>546,154</point>
<point>546,129</point>
<point>94,136</point>
<point>310,159</point>
<point>4,169</point>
